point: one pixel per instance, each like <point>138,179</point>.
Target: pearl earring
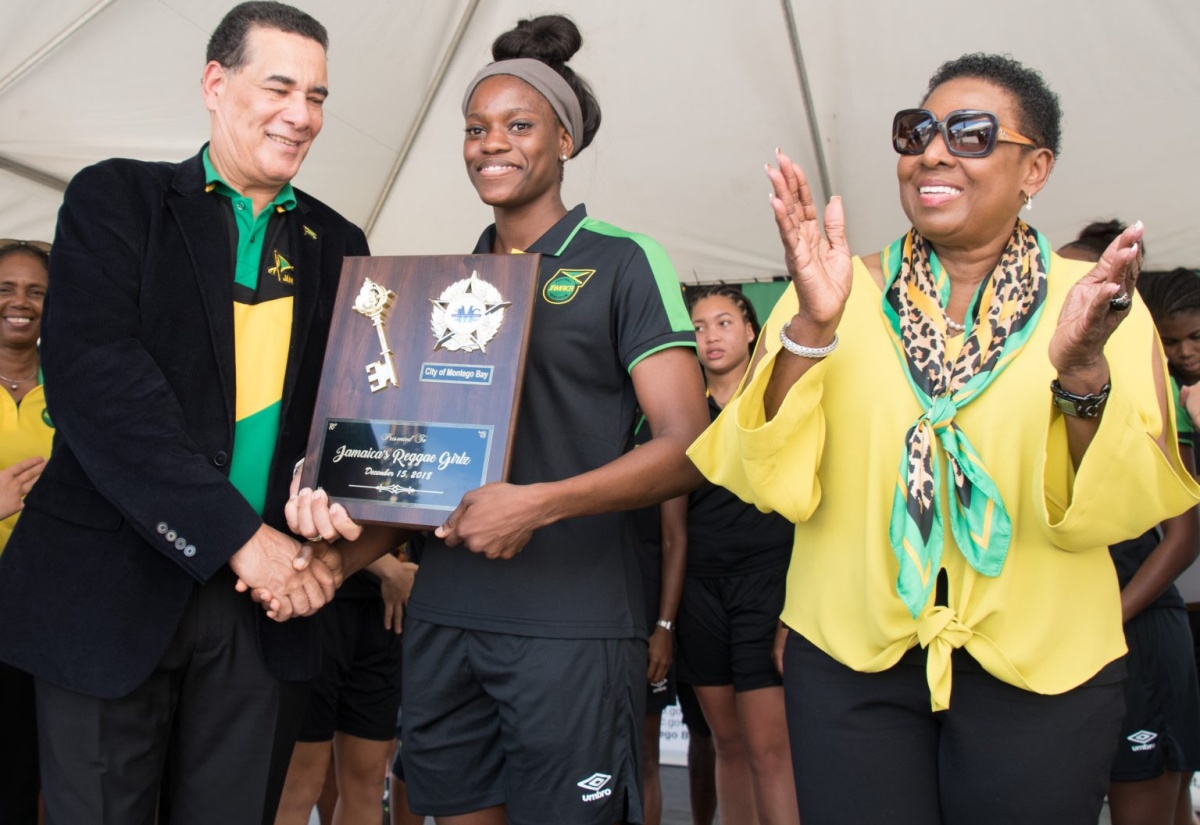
<point>563,158</point>
<point>1028,203</point>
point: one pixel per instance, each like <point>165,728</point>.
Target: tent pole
<point>422,113</point>
<point>29,173</point>
<point>56,41</point>
<point>813,127</point>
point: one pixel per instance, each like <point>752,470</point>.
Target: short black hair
<point>553,39</point>
<point>1097,236</point>
<point>1037,105</point>
<point>227,45</point>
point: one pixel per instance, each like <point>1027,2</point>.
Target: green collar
<point>284,200</point>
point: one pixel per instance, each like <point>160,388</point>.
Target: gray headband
<point>549,83</point>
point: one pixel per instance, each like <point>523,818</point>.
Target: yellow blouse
<point>25,431</point>
<point>829,459</point>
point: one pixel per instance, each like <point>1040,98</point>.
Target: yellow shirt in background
<point>25,431</point>
<point>829,461</point>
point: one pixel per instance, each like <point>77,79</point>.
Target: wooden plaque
<point>418,396</point>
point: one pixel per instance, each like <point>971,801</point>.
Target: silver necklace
<point>13,383</point>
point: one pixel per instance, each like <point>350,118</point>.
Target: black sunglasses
<point>968,133</point>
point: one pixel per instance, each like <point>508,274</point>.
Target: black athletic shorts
<point>1161,731</point>
<point>358,689</point>
<point>727,628</point>
<point>550,728</point>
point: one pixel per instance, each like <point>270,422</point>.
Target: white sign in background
<point>672,738</point>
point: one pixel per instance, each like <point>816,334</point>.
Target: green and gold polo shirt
<point>263,296</point>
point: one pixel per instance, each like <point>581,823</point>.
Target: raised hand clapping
<point>1096,304</point>
<point>819,264</point>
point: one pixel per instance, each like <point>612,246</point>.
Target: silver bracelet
<point>805,352</point>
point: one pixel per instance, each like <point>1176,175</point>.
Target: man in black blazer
<point>117,589</point>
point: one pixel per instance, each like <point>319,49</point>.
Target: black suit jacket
<point>135,507</point>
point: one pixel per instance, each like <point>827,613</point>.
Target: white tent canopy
<point>695,94</point>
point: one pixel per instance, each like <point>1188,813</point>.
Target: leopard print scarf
<point>1001,319</point>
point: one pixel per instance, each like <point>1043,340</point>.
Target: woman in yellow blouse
<point>957,446</point>
<point>25,429</point>
<point>25,435</point>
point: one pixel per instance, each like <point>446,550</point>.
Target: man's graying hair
<point>227,45</point>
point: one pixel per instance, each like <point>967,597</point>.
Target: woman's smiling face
<point>23,281</point>
<point>967,202</point>
<point>513,143</point>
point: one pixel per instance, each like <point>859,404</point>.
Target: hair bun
<point>551,38</point>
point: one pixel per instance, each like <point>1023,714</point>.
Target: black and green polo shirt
<point>263,294</point>
<point>606,300</point>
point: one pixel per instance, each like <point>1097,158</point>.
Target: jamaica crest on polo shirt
<point>565,285</point>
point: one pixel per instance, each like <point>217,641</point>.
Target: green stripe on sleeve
<point>664,273</point>
<point>660,348</point>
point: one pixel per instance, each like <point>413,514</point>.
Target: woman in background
<point>25,436</point>
<point>1158,747</point>
<point>737,564</point>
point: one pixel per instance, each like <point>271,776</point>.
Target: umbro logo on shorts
<point>595,783</point>
<point>1143,740</point>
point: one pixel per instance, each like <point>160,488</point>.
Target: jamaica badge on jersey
<point>283,271</point>
<point>565,285</point>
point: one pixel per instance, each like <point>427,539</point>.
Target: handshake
<point>288,578</point>
<point>291,579</point>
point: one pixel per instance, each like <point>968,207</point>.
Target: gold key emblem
<point>375,301</point>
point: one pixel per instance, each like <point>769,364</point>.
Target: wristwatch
<point>1080,406</point>
<point>668,626</point>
